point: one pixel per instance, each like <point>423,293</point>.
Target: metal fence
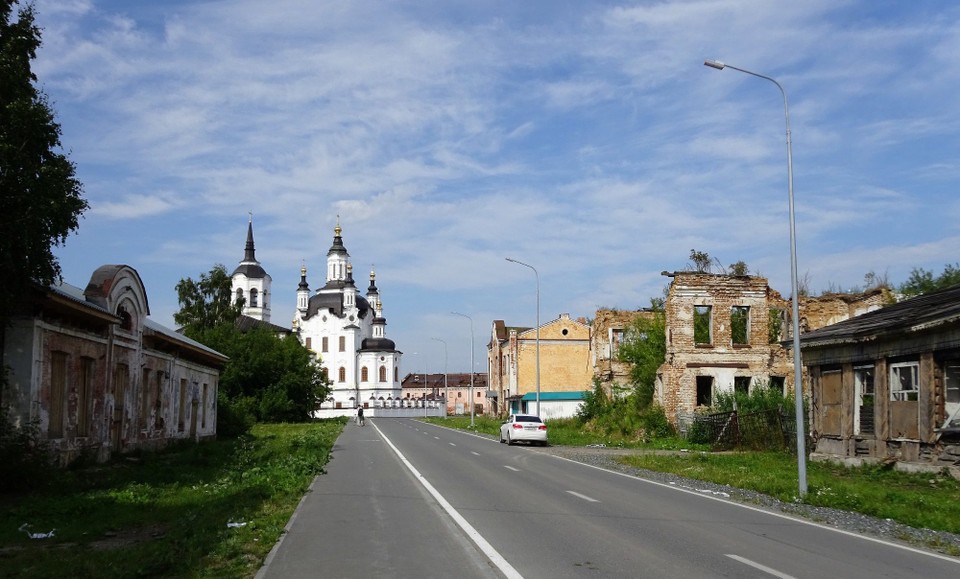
<point>764,430</point>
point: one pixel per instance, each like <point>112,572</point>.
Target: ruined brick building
<point>606,334</point>
<point>726,333</point>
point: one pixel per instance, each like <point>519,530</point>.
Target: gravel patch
<point>938,541</point>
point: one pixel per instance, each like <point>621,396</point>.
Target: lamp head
<point>714,64</point>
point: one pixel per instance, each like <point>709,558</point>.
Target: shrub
<point>25,459</point>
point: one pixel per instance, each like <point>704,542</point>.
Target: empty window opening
<point>704,390</point>
<point>905,381</point>
<point>741,384</point>
<point>863,422</point>
<point>776,383</point>
<point>740,325</point>
<point>951,382</point>
<point>702,333</point>
<point>775,321</point>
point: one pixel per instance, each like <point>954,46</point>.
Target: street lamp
<point>536,273</point>
<point>471,363</point>
<point>446,390</point>
<point>797,374</point>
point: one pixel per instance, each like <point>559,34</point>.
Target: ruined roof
<point>913,315</point>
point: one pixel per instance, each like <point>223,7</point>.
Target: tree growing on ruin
<point>41,199</point>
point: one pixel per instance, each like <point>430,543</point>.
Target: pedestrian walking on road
<point>360,415</point>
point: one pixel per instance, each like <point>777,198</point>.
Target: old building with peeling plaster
<point>99,378</point>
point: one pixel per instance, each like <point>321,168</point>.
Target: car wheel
<point>501,438</point>
<point>509,440</point>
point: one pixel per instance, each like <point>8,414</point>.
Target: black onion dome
<point>337,248</point>
<point>378,345</point>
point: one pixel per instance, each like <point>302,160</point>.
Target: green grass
<point>919,500</point>
<point>165,514</point>
<point>567,432</point>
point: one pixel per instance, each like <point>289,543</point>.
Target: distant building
<point>455,388</point>
<point>565,364</point>
<point>99,377</point>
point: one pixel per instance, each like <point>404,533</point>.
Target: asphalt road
<point>403,498</point>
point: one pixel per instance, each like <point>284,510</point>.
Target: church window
<point>239,294</point>
<point>343,343</point>
<point>383,373</point>
<point>342,374</point>
<point>309,343</point>
<point>396,374</point>
<point>364,374</point>
<point>324,344</point>
<point>253,298</point>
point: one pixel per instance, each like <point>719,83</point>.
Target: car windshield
<point>528,419</point>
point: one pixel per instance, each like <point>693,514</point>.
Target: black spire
<point>248,252</point>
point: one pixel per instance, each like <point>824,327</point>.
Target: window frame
<point>896,379</point>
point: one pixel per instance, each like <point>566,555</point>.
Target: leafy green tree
<point>922,281</point>
<point>207,303</point>
<point>274,379</point>
<point>40,197</point>
<point>644,347</point>
<point>739,268</point>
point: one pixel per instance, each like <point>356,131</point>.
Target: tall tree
<point>40,197</point>
<point>922,281</point>
<point>207,303</point>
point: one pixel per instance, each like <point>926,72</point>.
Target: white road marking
<point>584,497</point>
<point>511,468</point>
<point>474,453</point>
<point>452,444</point>
<point>437,437</point>
<point>495,557</point>
<point>763,568</point>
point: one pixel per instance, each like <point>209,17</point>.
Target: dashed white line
<point>763,568</point>
<point>511,468</point>
<point>474,453</point>
<point>584,497</point>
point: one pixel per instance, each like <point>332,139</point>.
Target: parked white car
<point>525,428</point>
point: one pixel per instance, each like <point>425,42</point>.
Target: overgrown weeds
<point>168,514</point>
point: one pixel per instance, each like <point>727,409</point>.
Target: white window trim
<point>896,393</point>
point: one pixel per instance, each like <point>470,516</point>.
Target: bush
<point>25,459</point>
<point>595,403</point>
<point>234,417</point>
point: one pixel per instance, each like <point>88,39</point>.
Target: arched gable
<point>119,290</point>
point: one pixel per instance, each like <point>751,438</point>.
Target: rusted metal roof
<point>913,315</point>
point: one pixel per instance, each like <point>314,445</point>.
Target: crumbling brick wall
<point>609,325</point>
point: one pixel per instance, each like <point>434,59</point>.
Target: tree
<point>40,197</point>
<point>739,268</point>
<point>700,261</point>
<point>206,304</point>
<point>644,347</point>
<point>922,281</point>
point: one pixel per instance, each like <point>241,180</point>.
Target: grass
<point>567,432</point>
<point>927,501</point>
<point>166,514</point>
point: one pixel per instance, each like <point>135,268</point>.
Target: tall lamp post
<point>446,390</point>
<point>797,373</point>
<point>471,363</point>
<point>536,273</point>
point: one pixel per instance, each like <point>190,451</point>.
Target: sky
<point>586,139</point>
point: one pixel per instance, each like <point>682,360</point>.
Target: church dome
<point>378,345</point>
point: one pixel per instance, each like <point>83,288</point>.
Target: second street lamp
<point>471,363</point>
<point>797,373</point>
<point>536,273</point>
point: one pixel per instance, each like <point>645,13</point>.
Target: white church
<point>344,329</point>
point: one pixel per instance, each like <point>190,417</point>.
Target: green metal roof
<point>555,396</point>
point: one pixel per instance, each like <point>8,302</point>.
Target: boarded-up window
<point>740,325</point>
<point>182,410</point>
<point>58,393</point>
<point>831,396</point>
<point>84,396</point>
<point>701,325</point>
<point>203,407</point>
<point>145,398</point>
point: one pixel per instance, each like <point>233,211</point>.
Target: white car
<point>523,428</point>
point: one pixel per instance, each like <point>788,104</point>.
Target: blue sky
<point>584,138</point>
